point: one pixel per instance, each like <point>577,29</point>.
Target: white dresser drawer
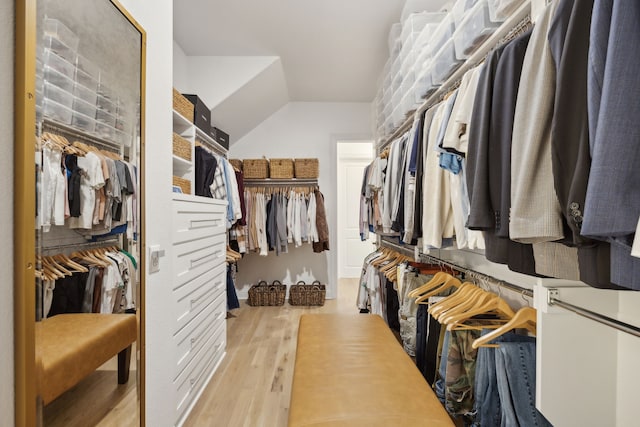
<point>193,219</point>
<point>185,204</point>
<point>190,339</point>
<point>192,260</point>
<point>191,297</point>
<point>190,381</point>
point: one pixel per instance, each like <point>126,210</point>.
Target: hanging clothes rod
<point>597,317</point>
<point>74,134</point>
<point>209,143</point>
<point>407,250</point>
<point>471,273</point>
<point>293,182</point>
<point>506,32</point>
<point>84,245</point>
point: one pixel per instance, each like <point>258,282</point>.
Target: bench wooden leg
<point>124,361</point>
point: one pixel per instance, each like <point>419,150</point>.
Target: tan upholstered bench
<point>351,371</point>
<point>71,346</point>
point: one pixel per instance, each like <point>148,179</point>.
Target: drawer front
<point>185,204</point>
<point>197,294</point>
<point>193,220</point>
<point>193,259</point>
<point>190,339</point>
<point>190,381</point>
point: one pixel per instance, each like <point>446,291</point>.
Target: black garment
<point>68,294</point>
<point>392,306</point>
<point>232,297</point>
<point>489,157</point>
<point>271,224</point>
<point>73,191</point>
<point>243,208</point>
<point>422,325</point>
<point>205,168</point>
<point>398,222</point>
<point>571,159</point>
<point>417,209</point>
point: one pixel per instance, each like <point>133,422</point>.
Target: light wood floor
<point>251,387</point>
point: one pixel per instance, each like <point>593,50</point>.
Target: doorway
<point>353,158</point>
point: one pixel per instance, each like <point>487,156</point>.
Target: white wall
<point>6,212</point>
<point>180,69</point>
<point>303,129</point>
<point>215,78</point>
<point>157,19</point>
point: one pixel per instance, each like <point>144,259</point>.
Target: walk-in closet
<point>337,213</point>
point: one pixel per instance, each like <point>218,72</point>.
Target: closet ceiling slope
<point>347,38</point>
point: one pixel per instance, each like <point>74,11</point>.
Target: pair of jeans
<point>516,379</point>
<point>488,411</point>
<point>232,296</point>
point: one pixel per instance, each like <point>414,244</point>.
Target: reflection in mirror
<point>89,62</point>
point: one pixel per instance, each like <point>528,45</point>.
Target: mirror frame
<point>24,210</point>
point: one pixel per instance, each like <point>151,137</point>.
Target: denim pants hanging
<point>232,297</point>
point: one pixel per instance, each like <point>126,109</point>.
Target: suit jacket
<point>612,204</point>
<point>488,157</point>
<point>535,210</point>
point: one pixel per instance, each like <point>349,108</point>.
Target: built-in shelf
<point>210,142</point>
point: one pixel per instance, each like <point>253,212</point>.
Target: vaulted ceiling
<point>329,50</point>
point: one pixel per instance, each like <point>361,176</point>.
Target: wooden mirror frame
<point>26,406</point>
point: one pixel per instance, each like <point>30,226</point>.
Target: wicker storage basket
<point>264,294</point>
<point>303,294</point>
<point>236,163</point>
<point>306,168</point>
<point>181,147</point>
<point>182,105</point>
<point>255,168</point>
<point>184,184</point>
<point>281,168</point>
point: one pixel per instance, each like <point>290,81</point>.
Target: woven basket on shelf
<point>306,168</point>
<point>265,294</point>
<point>181,147</point>
<point>303,294</point>
<point>182,105</point>
<point>236,163</point>
<point>281,168</point>
<point>184,184</point>
<point>255,168</point>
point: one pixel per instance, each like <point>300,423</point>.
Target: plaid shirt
<point>218,187</point>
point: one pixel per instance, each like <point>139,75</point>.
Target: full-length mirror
<point>88,278</point>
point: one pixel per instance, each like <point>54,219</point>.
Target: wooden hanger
<point>450,282</point>
<point>493,304</point>
<point>435,281</point>
<point>73,266</point>
<point>463,294</point>
<point>525,318</point>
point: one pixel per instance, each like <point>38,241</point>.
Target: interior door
<point>353,157</point>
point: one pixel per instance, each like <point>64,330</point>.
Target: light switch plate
<point>154,258</point>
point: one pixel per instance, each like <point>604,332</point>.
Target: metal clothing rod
<point>210,143</point>
<point>83,245</point>
<point>405,250</point>
<point>472,273</point>
<point>597,317</point>
<point>485,277</point>
<point>293,182</point>
<point>512,25</point>
<point>73,133</point>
